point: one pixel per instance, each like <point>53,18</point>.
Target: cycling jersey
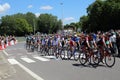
<point>49,42</point>
<point>62,42</point>
<point>99,41</point>
<point>43,41</point>
<point>54,42</point>
<point>71,43</point>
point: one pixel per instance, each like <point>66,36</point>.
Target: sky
<point>67,10</point>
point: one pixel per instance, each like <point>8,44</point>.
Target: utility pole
<point>34,26</point>
<point>62,16</point>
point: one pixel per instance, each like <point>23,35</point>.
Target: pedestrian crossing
<point>14,49</point>
<point>41,59</point>
<point>32,59</point>
<point>28,60</point>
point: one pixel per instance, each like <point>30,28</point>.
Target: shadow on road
<point>90,65</point>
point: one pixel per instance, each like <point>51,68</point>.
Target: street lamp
<point>34,25</point>
<point>62,16</point>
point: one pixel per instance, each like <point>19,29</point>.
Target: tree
<point>22,27</point>
<point>102,15</point>
<point>14,25</point>
<point>84,22</point>
<point>74,26</point>
<point>7,25</point>
<point>48,23</point>
<point>31,19</point>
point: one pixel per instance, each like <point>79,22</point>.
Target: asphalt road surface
<point>33,66</point>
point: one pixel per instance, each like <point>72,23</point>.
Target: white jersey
<point>112,38</point>
<point>54,42</point>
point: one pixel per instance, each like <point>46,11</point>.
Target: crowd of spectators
<point>7,41</point>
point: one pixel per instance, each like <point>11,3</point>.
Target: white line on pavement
<point>50,57</point>
<point>28,60</point>
<point>41,59</point>
<point>13,61</point>
<point>5,53</point>
<point>29,53</point>
<point>14,49</point>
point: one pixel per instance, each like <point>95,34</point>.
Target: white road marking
<point>14,49</point>
<point>41,59</point>
<point>5,53</point>
<point>66,56</point>
<point>50,57</point>
<point>29,53</point>
<point>28,60</point>
<point>13,61</point>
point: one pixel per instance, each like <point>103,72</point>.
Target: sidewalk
<point>10,72</point>
<point>6,70</point>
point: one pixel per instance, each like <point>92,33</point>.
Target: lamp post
<point>62,16</point>
<point>34,25</point>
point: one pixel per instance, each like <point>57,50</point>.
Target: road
<point>32,66</point>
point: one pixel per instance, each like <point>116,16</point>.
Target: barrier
<point>1,47</point>
<point>12,42</point>
<point>9,44</point>
<point>4,46</point>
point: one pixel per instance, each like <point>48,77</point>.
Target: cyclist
<point>62,41</point>
<point>77,41</point>
<point>118,42</point>
<point>43,42</point>
<point>28,41</point>
<point>71,44</point>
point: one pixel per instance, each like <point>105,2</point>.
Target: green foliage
<point>7,25</point>
<point>30,17</point>
<point>21,24</point>
<point>15,25</point>
<point>48,23</point>
<point>102,15</point>
<point>84,22</point>
<point>74,26</point>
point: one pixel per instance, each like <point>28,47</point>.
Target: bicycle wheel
<point>76,55</point>
<point>110,60</point>
<point>46,51</point>
<point>25,46</point>
<point>41,50</point>
<point>50,51</point>
<point>96,58</point>
<point>57,53</point>
<point>69,54</point>
<point>82,58</point>
<point>32,48</point>
<point>62,54</point>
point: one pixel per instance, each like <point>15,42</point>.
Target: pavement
<point>6,70</point>
<point>52,69</point>
<point>10,72</point>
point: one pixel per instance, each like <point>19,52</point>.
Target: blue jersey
<point>94,36</point>
<point>77,39</point>
<point>49,42</point>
